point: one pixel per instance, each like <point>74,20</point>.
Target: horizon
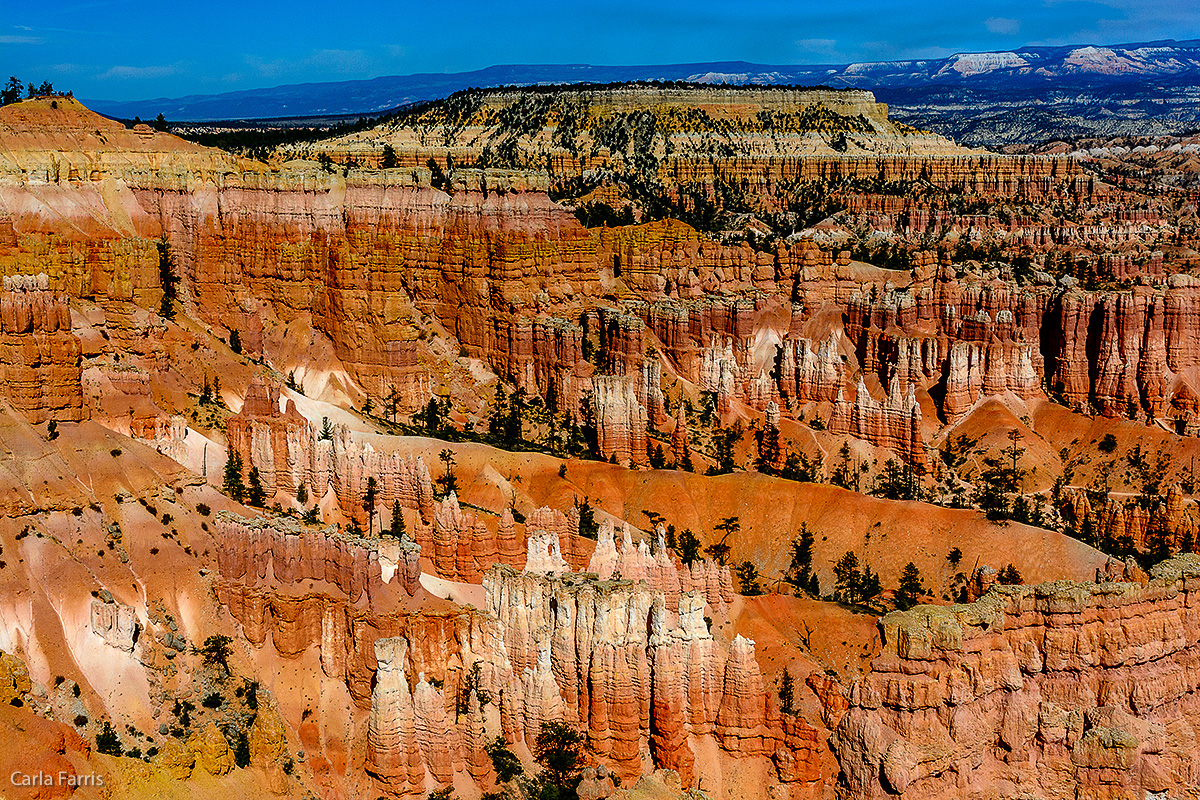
<point>124,50</point>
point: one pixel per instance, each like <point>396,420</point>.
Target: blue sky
<point>135,49</point>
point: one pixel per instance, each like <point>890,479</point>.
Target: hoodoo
<point>643,440</point>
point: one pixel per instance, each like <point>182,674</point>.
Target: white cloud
<point>21,40</point>
<point>823,46</point>
<point>137,73</point>
<point>1002,25</point>
<point>329,62</point>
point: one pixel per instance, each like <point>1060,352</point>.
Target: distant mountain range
<point>1080,89</point>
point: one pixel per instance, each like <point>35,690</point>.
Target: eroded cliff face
<point>630,663</point>
<point>647,683</point>
<point>361,257</point>
<point>40,366</point>
<point>1076,689</point>
<point>1169,525</point>
<point>289,451</point>
<point>281,552</point>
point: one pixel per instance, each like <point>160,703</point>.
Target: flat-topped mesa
<point>894,423</point>
<point>41,369</point>
<point>288,451</point>
<point>612,658</point>
<point>1076,689</point>
<point>281,551</point>
<point>770,136</point>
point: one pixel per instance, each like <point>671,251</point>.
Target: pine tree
<point>767,440</point>
<point>498,416</point>
<point>748,579</point>
<point>799,572</point>
<point>848,578</point>
<point>911,587</point>
<point>301,494</point>
<point>719,551</point>
<point>787,692</point>
<point>1009,576</point>
<point>255,494</point>
<point>448,481</point>
<point>370,497</point>
<point>167,279</point>
<point>397,526</point>
<point>687,547</point>
<point>512,433</point>
<point>388,159</point>
<point>871,586</point>
<point>233,485</point>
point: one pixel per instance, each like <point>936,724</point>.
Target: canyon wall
<point>1084,690</point>
<point>633,666</point>
<point>639,678</point>
<point>282,552</point>
<point>362,255</point>
<point>40,364</point>
<point>289,451</point>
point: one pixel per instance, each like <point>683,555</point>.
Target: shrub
<point>108,742</point>
<point>213,700</point>
<point>241,750</point>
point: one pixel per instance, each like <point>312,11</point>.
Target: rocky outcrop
<point>805,374</point>
<point>661,570</point>
<point>894,423</point>
<point>1075,689</point>
<point>612,658</point>
<point>1168,526</point>
<point>681,440</point>
<point>544,556</point>
<point>393,751</point>
<point>288,451</point>
<point>40,359</point>
<point>462,546</point>
<point>620,420</point>
<point>458,542</point>
<point>976,371</point>
<point>115,623</point>
<point>280,551</point>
